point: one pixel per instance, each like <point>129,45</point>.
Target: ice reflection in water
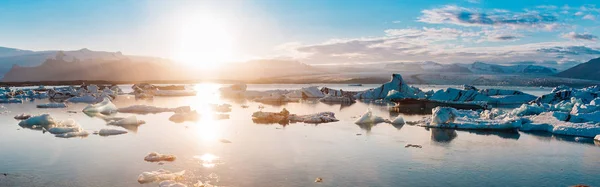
<point>208,160</point>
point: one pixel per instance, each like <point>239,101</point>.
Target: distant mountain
<point>484,68</point>
<point>589,70</point>
<point>26,58</point>
<point>264,69</point>
<point>427,66</point>
<point>109,69</point>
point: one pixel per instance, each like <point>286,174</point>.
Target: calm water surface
<point>341,153</point>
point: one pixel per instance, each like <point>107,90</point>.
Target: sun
<point>204,42</point>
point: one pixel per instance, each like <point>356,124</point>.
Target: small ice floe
<point>224,141</point>
<point>157,157</point>
<point>180,117</point>
<point>67,129</point>
<point>597,137</point>
<point>110,132</point>
<point>223,108</point>
<point>344,99</point>
<point>146,109</point>
<point>128,121</point>
<point>159,175</point>
<point>398,121</point>
<point>369,118</point>
<point>171,183</point>
<point>43,120</point>
<point>244,106</point>
<point>52,105</point>
<point>85,99</point>
<point>11,100</point>
<point>72,134</point>
<point>104,107</point>
<point>321,117</point>
<point>285,117</point>
<point>22,116</point>
<point>413,145</point>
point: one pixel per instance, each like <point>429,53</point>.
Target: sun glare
<point>204,42</point>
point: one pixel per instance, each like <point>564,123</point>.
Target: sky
<point>322,32</point>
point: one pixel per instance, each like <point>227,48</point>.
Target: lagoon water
<point>341,153</point>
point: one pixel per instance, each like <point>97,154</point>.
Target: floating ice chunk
<point>92,88</point>
<point>445,117</point>
<point>146,109</point>
<point>369,118</point>
<point>553,122</point>
<point>65,126</point>
<point>22,116</point>
<point>171,183</point>
<point>52,105</point>
<point>104,107</point>
<point>597,138</point>
<point>11,100</point>
<point>128,121</point>
<point>72,134</point>
<point>159,175</point>
<point>223,108</point>
<point>39,120</point>
<point>490,96</point>
<point>321,117</point>
<point>157,157</point>
<point>276,97</point>
<point>270,117</point>
<point>308,92</point>
<point>234,91</point>
<point>337,99</point>
<point>85,99</point>
<point>110,132</point>
<point>398,121</point>
<point>180,117</point>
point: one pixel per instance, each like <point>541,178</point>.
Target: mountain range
<point>476,67</point>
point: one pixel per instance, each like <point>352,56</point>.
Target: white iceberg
<point>39,120</point>
<point>321,117</point>
<point>72,134</point>
<point>146,109</point>
<point>555,122</point>
<point>445,117</point>
<point>159,175</point>
<point>128,121</point>
<point>369,118</point>
<point>110,132</point>
<point>157,157</point>
<point>180,117</point>
<point>52,105</point>
<point>67,129</point>
<point>564,93</point>
<point>489,96</point>
<point>104,107</point>
<point>171,183</point>
<point>307,92</point>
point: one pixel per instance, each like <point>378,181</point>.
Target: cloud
<point>578,36</point>
<point>571,50</point>
<point>451,14</point>
<point>589,17</point>
<point>578,13</point>
<point>474,1</point>
<point>549,7</point>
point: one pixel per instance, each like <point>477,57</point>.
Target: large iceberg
<point>563,93</point>
<point>445,117</point>
<point>488,96</point>
<point>398,85</point>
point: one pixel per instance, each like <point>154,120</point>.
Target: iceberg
<point>489,96</point>
<point>43,120</point>
<point>398,121</point>
<point>67,129</point>
<point>445,117</point>
<point>369,118</point>
<point>554,122</point>
<point>564,93</point>
<point>234,91</point>
<point>321,117</point>
<point>110,132</point>
<point>338,99</point>
<point>181,117</point>
<point>157,157</point>
<point>84,99</point>
<point>597,138</point>
<point>52,105</point>
<point>270,117</point>
<point>146,109</point>
<point>104,107</point>
<point>72,134</point>
<point>397,84</point>
<point>159,175</point>
<point>128,121</point>
<point>307,92</point>
<point>11,100</point>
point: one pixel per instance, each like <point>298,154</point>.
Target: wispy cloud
<point>578,36</point>
<point>451,14</point>
<point>589,17</point>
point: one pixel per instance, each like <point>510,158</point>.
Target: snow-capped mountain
<point>476,68</point>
